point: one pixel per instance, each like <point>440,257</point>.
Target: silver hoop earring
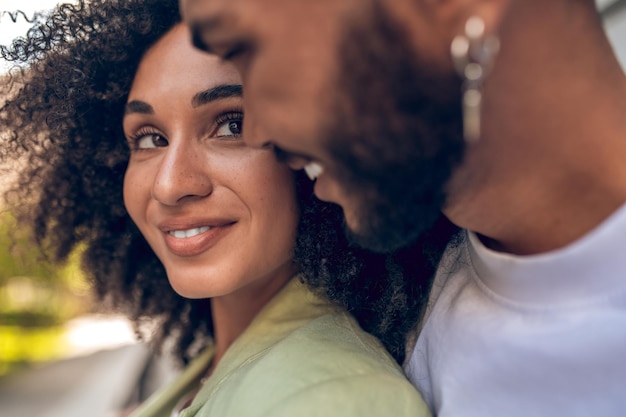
<point>473,55</point>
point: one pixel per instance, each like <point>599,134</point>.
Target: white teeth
<point>183,234</point>
<point>313,170</point>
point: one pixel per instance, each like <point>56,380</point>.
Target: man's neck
<point>551,163</point>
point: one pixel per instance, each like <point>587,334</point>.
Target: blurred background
<point>46,313</point>
<point>61,353</point>
<point>614,15</point>
<point>52,338</point>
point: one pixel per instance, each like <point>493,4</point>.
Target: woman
<point>225,226</point>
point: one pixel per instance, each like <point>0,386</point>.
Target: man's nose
<point>254,135</point>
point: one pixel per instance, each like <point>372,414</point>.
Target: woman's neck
<point>233,313</point>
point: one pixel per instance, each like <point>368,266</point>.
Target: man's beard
<point>395,132</point>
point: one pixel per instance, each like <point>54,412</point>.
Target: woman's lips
<point>196,240</point>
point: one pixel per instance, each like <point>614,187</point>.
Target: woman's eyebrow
<point>199,99</point>
<point>216,93</point>
<point>137,106</point>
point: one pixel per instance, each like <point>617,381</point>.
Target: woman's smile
<point>193,241</point>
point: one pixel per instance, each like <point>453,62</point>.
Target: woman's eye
<point>230,128</point>
<point>151,140</point>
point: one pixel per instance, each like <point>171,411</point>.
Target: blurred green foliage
<point>18,257</point>
<point>36,299</point>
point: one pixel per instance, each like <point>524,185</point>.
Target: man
<point>507,115</point>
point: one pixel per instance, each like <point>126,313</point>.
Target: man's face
<point>339,84</point>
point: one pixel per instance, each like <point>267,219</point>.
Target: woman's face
<point>220,216</point>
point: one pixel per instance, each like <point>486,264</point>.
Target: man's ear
<point>452,15</point>
<point>433,24</point>
<point>456,13</point>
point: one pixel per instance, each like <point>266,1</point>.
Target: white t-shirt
<point>527,336</point>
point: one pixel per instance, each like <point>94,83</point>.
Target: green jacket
<point>299,357</point>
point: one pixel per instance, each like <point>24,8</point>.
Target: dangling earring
<point>473,55</point>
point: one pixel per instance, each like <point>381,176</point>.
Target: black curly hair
<point>61,120</point>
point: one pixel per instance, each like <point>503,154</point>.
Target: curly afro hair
<point>61,118</point>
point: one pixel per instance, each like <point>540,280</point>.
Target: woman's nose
<point>183,174</point>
